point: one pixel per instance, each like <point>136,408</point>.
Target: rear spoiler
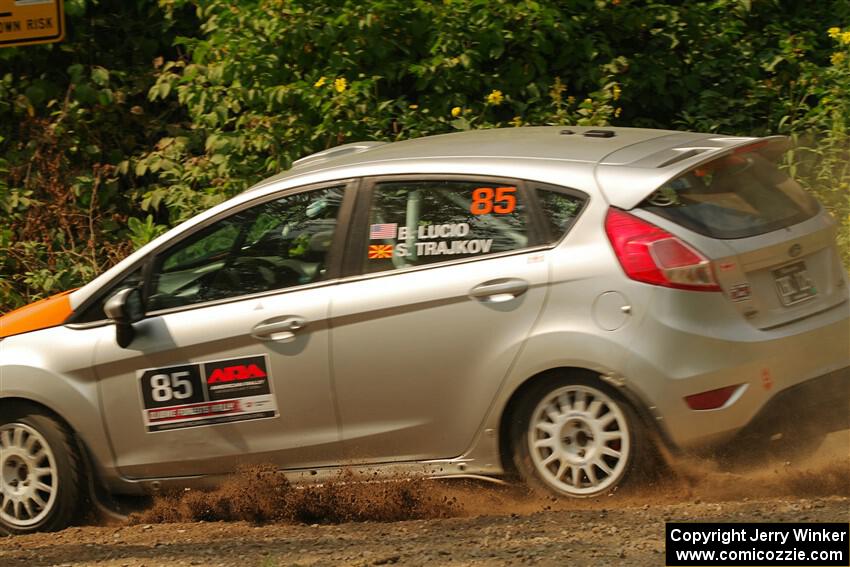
<point>626,179</point>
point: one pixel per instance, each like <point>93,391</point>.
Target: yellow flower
<point>340,84</point>
<point>320,82</point>
<point>837,58</point>
<point>617,112</point>
<point>516,121</point>
<point>557,91</point>
<point>495,98</point>
<point>833,32</point>
<point>845,37</point>
<point>413,106</point>
<point>615,92</point>
<point>456,111</point>
<point>587,101</point>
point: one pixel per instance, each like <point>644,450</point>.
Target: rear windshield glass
<point>733,197</point>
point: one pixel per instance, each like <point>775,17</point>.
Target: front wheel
<point>39,474</point>
<point>574,438</point>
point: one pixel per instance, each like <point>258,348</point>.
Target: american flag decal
<point>380,251</point>
<point>380,231</point>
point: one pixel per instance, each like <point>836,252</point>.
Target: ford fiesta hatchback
<point>550,303</point>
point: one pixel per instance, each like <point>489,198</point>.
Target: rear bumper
<point>801,365</point>
<point>814,407</point>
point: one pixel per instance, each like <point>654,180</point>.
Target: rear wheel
<point>39,474</point>
<point>574,437</point>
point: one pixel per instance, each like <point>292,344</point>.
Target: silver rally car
<point>549,303</point>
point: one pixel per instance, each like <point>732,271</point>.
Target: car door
<point>231,363</point>
<point>450,281</point>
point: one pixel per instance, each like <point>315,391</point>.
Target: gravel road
<point>491,526</point>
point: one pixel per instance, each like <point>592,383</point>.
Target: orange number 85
<point>486,200</point>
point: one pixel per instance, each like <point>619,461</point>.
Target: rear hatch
<point>771,244</point>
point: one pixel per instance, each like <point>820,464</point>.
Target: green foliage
<point>821,160</point>
<point>150,112</point>
<point>71,115</point>
<point>269,81</point>
<point>142,232</point>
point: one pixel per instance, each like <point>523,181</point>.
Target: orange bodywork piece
<point>42,314</point>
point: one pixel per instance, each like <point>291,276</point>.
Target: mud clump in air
<point>260,494</point>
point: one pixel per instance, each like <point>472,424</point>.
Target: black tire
<point>578,447</point>
<point>44,436</point>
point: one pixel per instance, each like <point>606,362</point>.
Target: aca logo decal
<point>235,373</point>
<point>237,377</point>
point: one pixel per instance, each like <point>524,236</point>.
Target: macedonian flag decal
<point>380,251</point>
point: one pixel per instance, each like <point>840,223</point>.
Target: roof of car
<point>573,143</point>
<point>626,164</point>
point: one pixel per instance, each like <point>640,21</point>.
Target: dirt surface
<point>462,524</point>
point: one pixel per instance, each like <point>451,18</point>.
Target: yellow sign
<point>26,22</point>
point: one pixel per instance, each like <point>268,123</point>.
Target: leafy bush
<point>71,115</point>
<point>822,158</point>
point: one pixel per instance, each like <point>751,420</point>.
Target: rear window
<point>733,197</point>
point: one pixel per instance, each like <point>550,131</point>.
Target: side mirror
<point>125,308</point>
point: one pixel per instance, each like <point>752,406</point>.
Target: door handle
<point>498,291</point>
<point>280,329</point>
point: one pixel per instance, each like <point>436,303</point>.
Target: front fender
<point>53,368</point>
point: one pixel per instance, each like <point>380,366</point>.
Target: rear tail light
<point>712,399</point>
<point>652,255</point>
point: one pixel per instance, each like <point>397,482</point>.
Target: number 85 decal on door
<point>208,393</point>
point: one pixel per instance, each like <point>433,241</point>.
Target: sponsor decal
<point>237,378</point>
<point>207,393</point>
<point>382,231</point>
<point>235,373</point>
<point>380,251</point>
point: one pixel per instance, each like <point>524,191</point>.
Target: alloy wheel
<point>579,440</point>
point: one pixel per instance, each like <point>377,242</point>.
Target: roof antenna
<point>599,134</point>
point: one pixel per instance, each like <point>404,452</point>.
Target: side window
<point>413,223</point>
<point>560,210</point>
<point>274,245</point>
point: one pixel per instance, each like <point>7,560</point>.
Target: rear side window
<point>560,210</point>
<point>733,197</point>
<point>413,223</point>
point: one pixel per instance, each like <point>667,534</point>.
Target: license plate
<point>793,283</point>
